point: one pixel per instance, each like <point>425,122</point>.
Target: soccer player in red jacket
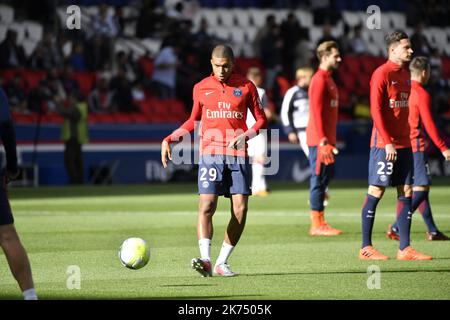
<point>420,118</point>
<point>221,103</point>
<point>321,134</point>
<point>391,159</point>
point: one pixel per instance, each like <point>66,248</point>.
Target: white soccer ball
<point>134,253</point>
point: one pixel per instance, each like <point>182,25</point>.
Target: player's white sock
<point>258,179</point>
<point>225,252</point>
<point>205,248</point>
<point>30,294</point>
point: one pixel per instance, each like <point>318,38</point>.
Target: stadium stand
<point>239,22</point>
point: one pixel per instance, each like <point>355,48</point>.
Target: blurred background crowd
<point>137,61</point>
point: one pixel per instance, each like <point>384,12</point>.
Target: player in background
<point>295,112</point>
<point>420,118</point>
<point>257,147</point>
<point>295,109</point>
<point>221,103</point>
<point>9,239</point>
<point>391,159</point>
<point>321,134</point>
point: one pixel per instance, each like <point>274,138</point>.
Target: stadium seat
<point>130,29</point>
<point>85,80</point>
<point>21,118</point>
<point>139,118</point>
<point>33,30</point>
<point>280,15</point>
<point>6,14</point>
<point>305,18</point>
<point>226,18</point>
<point>222,33</point>
<point>147,65</point>
<point>123,118</point>
<point>243,64</point>
<point>398,20</point>
<point>93,118</point>
<point>53,118</point>
<point>251,33</point>
<point>438,38</point>
<point>152,45</point>
<point>352,63</point>
<point>210,15</point>
<point>446,67</point>
<point>8,74</point>
<point>3,30</point>
<point>28,46</point>
<point>106,118</point>
<point>32,78</point>
<point>237,34</point>
<point>283,84</point>
<point>351,18</point>
<point>242,17</point>
<point>315,33</point>
<point>347,79</point>
<point>258,17</point>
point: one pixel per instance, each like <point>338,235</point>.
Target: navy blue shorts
<point>422,175</point>
<point>386,173</point>
<point>6,216</point>
<point>224,175</point>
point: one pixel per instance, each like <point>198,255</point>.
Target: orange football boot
<point>319,227</point>
<point>369,253</point>
<point>392,233</point>
<point>410,254</point>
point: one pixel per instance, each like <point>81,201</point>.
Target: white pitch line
<point>190,213</point>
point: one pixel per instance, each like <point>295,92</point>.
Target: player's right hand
<point>391,153</point>
<point>165,153</point>
<point>446,155</point>
<point>293,138</point>
<point>326,154</point>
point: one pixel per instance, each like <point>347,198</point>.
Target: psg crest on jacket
<point>237,92</point>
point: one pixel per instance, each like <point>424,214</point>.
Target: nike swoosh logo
<point>208,93</point>
<point>394,82</point>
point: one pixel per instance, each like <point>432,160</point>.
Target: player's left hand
<point>237,143</point>
<point>165,152</point>
<point>446,155</point>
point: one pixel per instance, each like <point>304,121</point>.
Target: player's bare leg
<point>239,207</point>
<point>206,208</point>
<point>17,259</point>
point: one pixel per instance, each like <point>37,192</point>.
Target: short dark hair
<point>223,51</point>
<point>395,37</point>
<point>418,64</point>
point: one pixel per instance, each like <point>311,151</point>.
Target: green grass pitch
<point>276,259</point>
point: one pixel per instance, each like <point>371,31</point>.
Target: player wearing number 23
<point>391,159</point>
